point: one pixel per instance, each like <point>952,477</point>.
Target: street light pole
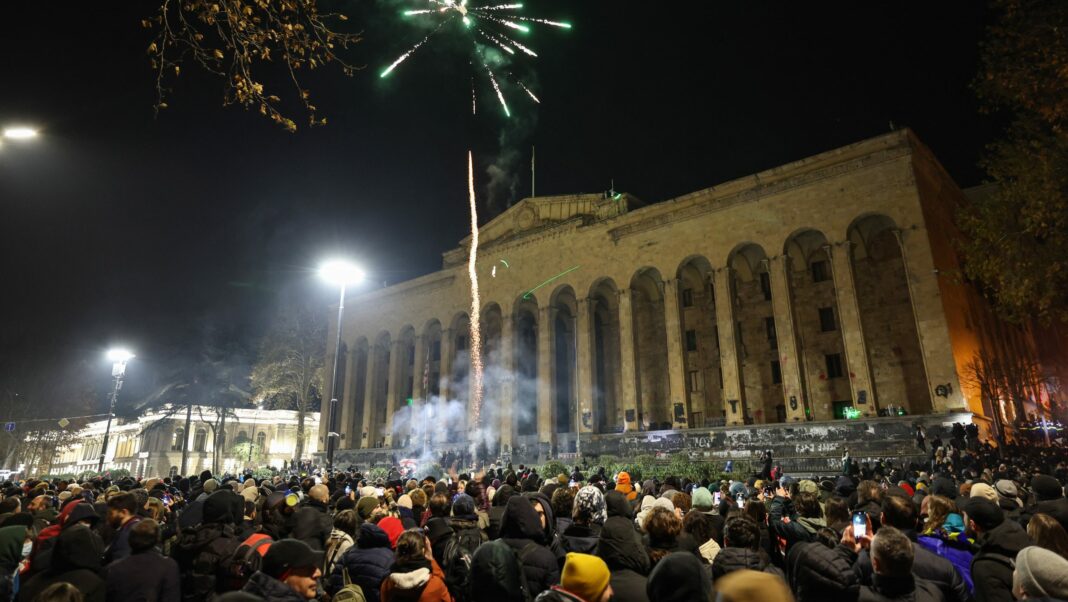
<point>118,371</point>
<point>341,273</point>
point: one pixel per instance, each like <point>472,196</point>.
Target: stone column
<point>348,406</point>
<point>394,391</point>
<point>367,435</point>
<point>733,400</point>
<point>926,297</point>
<point>448,344</point>
<point>507,384</point>
<point>439,430</point>
<point>790,359</point>
<point>546,424</point>
<point>676,357</point>
<point>419,391</point>
<point>856,351</point>
<point>627,362</point>
<point>584,372</point>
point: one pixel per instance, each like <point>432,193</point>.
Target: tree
<point>1016,242</point>
<point>289,369</point>
<point>238,39</point>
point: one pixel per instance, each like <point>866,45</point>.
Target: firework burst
<point>489,26</point>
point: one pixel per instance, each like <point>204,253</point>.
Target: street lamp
<point>342,274</point>
<point>19,133</point>
<point>119,357</point>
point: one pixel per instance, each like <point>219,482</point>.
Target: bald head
<point>319,493</point>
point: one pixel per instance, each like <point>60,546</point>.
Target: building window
<point>242,436</point>
<point>261,442</point>
<point>827,319</point>
<point>461,343</point>
<point>691,340</point>
<point>693,381</point>
<point>200,440</point>
<point>687,297</point>
<point>435,351</point>
<point>776,372</point>
<point>769,328</point>
<point>179,438</point>
<point>819,271</point>
<point>834,365</point>
<point>765,285</point>
<point>411,355</point>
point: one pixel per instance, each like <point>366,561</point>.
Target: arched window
<point>261,442</point>
<point>200,440</point>
<point>242,436</point>
<point>179,437</point>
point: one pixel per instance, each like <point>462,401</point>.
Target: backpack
<point>336,546</point>
<point>349,592</point>
<point>456,559</point>
<point>245,561</point>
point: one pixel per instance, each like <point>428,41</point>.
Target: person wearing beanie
<point>393,528</point>
<point>289,572</point>
<point>998,542</point>
<point>585,578</point>
<point>1009,499</point>
<point>752,586</point>
<point>1040,573</point>
<point>624,486</point>
<point>1051,500</point>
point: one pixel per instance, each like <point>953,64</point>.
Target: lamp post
<point>252,440</point>
<point>340,273</point>
<point>119,357</point>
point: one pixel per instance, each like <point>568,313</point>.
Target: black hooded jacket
<point>991,566</point>
<point>312,524</point>
<point>729,560</point>
<point>818,573</point>
<point>202,553</point>
<point>75,560</point>
<point>496,574</point>
<point>620,546</point>
<point>521,529</point>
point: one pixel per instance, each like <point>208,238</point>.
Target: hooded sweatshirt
<point>621,548</point>
<point>521,529</point>
<point>75,560</point>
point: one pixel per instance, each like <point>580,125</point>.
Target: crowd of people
<point>980,524</point>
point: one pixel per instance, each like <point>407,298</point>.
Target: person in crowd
<point>342,537</point>
<point>588,516</point>
<point>367,563</point>
<point>679,577</point>
<point>523,530</point>
<point>1047,533</point>
<point>624,486</point>
<point>899,512</point>
<point>1050,500</point>
<point>145,575</point>
<point>13,548</point>
<point>60,592</point>
<point>892,555</point>
<point>312,523</point>
<point>998,543</point>
<point>662,530</point>
<point>795,520</point>
<point>122,516</point>
<point>414,574</point>
<point>496,574</point>
<point>742,551</point>
<point>203,551</point>
<point>584,578</point>
<point>620,546</point>
<point>697,535</point>
<point>1040,574</point>
<point>563,503</point>
<point>290,573</point>
<point>76,559</point>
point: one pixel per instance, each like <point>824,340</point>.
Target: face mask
<point>27,548</point>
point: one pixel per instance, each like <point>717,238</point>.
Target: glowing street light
<point>342,274</point>
<point>118,356</point>
<point>20,133</point>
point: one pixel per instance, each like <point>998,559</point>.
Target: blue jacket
<point>954,547</point>
<point>367,562</point>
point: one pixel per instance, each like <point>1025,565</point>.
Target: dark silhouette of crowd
<point>973,522</point>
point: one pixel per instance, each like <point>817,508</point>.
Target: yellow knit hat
<point>585,576</point>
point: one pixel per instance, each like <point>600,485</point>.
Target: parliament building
<point>822,290</point>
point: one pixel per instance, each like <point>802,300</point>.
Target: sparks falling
<point>489,26</point>
<point>475,325</point>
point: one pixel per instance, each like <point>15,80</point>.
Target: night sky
<point>173,233</point>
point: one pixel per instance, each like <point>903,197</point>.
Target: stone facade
<point>802,293</point>
<point>151,445</point>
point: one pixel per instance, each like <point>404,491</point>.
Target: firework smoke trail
<point>497,88</point>
<point>410,52</point>
<point>476,301</point>
<point>524,86</point>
